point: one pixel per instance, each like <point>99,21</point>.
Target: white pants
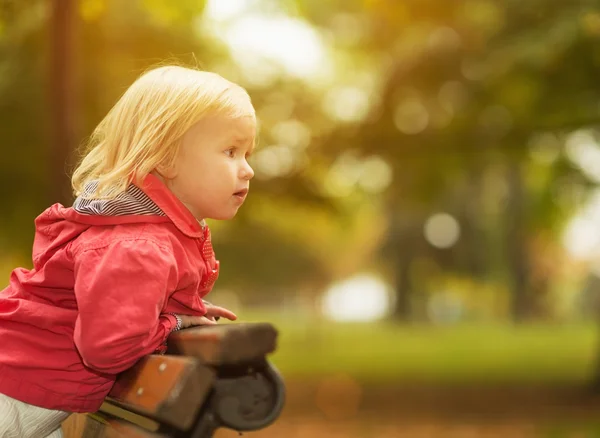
<point>21,420</point>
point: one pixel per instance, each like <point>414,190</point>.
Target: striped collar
<point>151,201</point>
<point>131,202</point>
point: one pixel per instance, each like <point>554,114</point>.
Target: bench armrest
<point>225,344</point>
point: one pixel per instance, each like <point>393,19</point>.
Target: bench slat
<point>122,429</point>
<point>225,344</point>
<point>87,426</point>
<point>170,389</point>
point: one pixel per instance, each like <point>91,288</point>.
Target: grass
<point>383,352</point>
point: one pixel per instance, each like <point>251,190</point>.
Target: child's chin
<point>224,216</point>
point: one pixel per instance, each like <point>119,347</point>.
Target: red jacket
<point>95,301</point>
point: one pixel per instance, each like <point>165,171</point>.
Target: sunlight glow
<point>222,10</point>
<point>292,132</point>
<point>442,230</point>
<point>581,237</point>
<point>347,104</point>
<point>583,149</point>
<point>376,174</point>
<point>273,161</point>
<point>411,116</point>
<point>290,42</point>
<point>260,41</point>
<point>362,298</point>
<point>343,176</point>
<point>373,174</point>
<point>544,148</point>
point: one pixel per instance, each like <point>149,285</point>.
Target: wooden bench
<point>211,377</point>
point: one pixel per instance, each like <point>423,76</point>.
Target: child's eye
<point>230,152</point>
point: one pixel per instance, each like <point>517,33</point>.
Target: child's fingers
<point>203,320</point>
<point>191,321</point>
<point>221,312</point>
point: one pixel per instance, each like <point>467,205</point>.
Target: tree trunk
<point>516,239</point>
<point>402,303</point>
<point>591,293</point>
<point>62,96</point>
<point>403,242</point>
<point>471,230</point>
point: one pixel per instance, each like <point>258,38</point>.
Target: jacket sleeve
<point>120,291</point>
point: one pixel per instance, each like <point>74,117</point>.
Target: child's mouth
<point>241,194</point>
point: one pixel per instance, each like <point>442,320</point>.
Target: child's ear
<point>167,171</point>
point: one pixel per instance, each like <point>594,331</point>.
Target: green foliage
<point>466,87</point>
<point>457,91</point>
<point>481,354</point>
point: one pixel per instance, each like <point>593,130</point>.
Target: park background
<point>424,224</point>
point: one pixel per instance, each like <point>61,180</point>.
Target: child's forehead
<point>239,129</point>
<point>240,125</point>
<point>242,129</point>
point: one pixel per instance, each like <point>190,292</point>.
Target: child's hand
<point>192,321</point>
<point>212,315</point>
<point>215,312</point>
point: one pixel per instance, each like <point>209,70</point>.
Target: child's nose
<point>248,172</point>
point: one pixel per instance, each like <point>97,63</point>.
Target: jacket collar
<point>175,210</point>
<point>162,206</point>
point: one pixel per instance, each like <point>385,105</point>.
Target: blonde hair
<point>144,128</point>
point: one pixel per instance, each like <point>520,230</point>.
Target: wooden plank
<point>74,426</point>
<point>169,389</point>
<point>97,426</point>
<point>111,410</point>
<point>225,344</point>
<point>122,429</point>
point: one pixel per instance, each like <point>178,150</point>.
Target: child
<point>130,262</point>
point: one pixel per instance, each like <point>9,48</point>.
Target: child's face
<point>211,174</point>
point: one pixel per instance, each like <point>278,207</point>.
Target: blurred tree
<point>23,167</point>
<point>64,89</point>
<point>466,87</point>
